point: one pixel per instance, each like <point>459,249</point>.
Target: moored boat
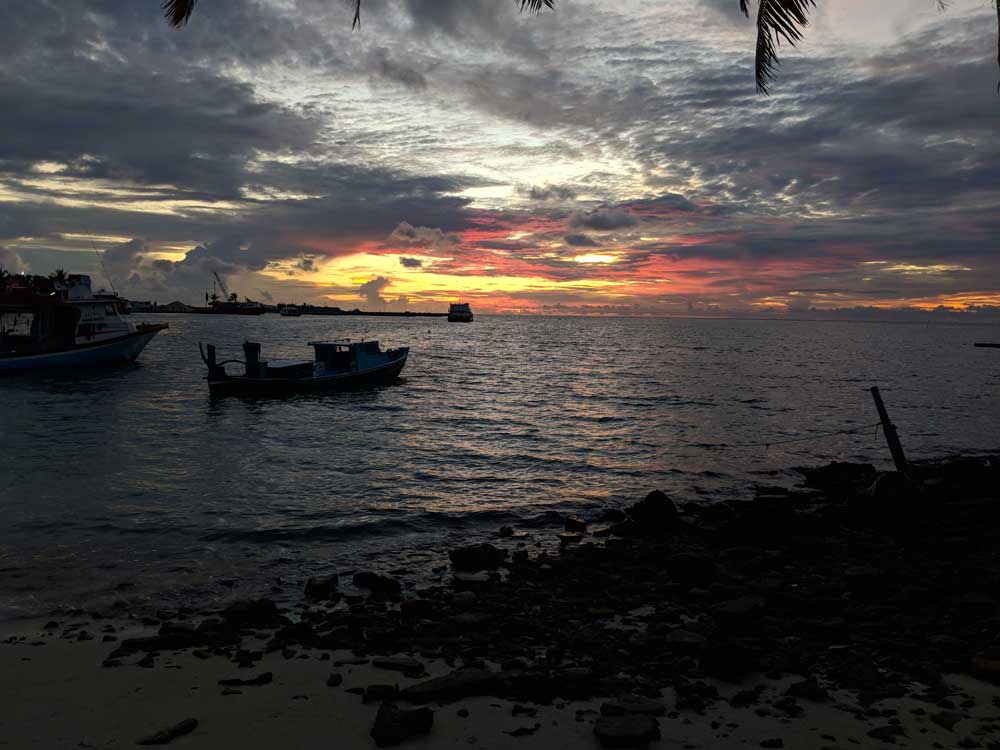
<point>337,365</point>
<point>460,312</point>
<point>60,322</point>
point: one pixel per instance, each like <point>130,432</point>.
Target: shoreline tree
<point>777,21</point>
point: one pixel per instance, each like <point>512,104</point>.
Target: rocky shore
<point>857,593</point>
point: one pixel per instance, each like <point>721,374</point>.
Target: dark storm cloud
<point>581,240</point>
<point>410,262</point>
<point>109,96</point>
<point>603,220</point>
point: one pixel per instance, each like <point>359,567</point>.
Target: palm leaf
<point>178,11</point>
<point>776,20</point>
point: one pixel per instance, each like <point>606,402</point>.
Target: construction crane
<point>221,283</point>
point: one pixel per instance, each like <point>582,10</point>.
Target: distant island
<point>145,307</point>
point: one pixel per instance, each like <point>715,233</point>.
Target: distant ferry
<point>289,311</point>
<point>232,307</point>
<point>460,312</point>
<point>59,322</point>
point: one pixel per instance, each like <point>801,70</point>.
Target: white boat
<point>460,312</point>
<point>60,322</point>
<point>289,311</point>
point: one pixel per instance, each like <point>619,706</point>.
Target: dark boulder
<point>406,664</point>
<point>462,683</point>
<point>626,731</point>
<point>164,736</point>
<point>839,475</point>
<point>693,569</point>
<point>394,725</point>
<point>654,513</point>
<point>478,557</point>
<point>324,587</point>
<point>377,584</point>
<point>251,613</point>
<point>575,523</point>
<point>809,690</point>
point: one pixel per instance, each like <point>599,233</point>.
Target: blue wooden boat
<point>58,322</point>
<point>337,365</point>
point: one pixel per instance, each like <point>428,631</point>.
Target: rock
<point>377,583</point>
<point>808,690</point>
<point>626,731</point>
<point>613,515</point>
<point>415,609</point>
<point>745,698</point>
<point>728,661</point>
<point>265,678</point>
<point>323,587</point>
<point>251,613</point>
<point>334,680</point>
<point>506,531</point>
<point>681,637</point>
<point>839,474</point>
<point>890,487</point>
<point>461,683</point>
<point>654,513</point>
<point>569,537</point>
<point>947,719</point>
<point>740,615</point>
<point>888,733</point>
<point>170,733</point>
<point>477,557</point>
<point>602,531</point>
<point>464,599</point>
<point>631,705</point>
<point>379,693</point>
<point>407,665</point>
<point>693,569</point>
<point>575,523</point>
<point>394,725</point>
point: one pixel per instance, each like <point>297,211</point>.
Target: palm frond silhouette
<point>777,21</point>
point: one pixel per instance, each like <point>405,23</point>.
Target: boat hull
<point>230,386</point>
<point>118,351</point>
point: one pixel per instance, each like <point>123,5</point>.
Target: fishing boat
<point>460,312</point>
<point>59,321</point>
<point>337,365</point>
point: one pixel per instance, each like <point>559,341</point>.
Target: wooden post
<point>895,447</point>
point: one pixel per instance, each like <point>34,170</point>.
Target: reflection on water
<point>126,483</point>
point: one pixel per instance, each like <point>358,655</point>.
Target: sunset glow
<point>484,155</point>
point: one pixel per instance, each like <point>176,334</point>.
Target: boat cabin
<point>39,314</point>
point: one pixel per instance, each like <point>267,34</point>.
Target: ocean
<point>131,488</point>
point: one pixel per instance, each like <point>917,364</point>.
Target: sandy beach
<point>767,625</point>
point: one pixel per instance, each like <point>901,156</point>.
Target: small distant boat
<point>460,312</point>
<point>57,321</point>
<point>338,365</point>
<point>288,311</point>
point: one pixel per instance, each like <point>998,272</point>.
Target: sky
<point>602,158</point>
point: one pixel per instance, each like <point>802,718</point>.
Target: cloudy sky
<point>605,157</point>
